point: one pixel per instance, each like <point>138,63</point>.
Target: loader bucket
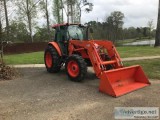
<point>121,81</point>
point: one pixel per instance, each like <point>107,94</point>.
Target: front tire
<point>76,68</point>
<point>52,59</point>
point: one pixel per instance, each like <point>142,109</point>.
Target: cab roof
<point>64,24</point>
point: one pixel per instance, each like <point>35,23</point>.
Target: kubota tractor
<point>72,48</point>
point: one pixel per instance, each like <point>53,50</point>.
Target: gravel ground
<point>39,95</point>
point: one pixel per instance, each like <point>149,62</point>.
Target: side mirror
<point>90,30</point>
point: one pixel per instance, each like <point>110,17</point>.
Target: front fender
<point>55,45</point>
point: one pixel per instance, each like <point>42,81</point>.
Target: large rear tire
<point>76,68</point>
<point>52,59</point>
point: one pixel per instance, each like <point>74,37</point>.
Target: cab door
<point>61,39</point>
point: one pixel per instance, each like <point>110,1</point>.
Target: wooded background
<point>18,21</point>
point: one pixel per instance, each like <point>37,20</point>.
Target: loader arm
<point>92,49</point>
<point>117,81</point>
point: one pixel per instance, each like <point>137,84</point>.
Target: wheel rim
<point>48,59</point>
<point>73,68</point>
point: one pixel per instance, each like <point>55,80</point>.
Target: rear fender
<point>55,45</point>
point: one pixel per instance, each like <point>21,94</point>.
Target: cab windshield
<point>76,32</point>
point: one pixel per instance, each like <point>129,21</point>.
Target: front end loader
<point>72,48</point>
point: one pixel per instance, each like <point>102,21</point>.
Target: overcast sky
<point>137,12</point>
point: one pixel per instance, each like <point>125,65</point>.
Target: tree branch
<point>34,5</point>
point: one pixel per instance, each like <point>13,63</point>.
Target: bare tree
<point>27,10</point>
<point>83,4</point>
<point>1,31</point>
<point>47,17</point>
<point>73,9</point>
<point>151,27</point>
<point>157,40</point>
<point>44,7</point>
<point>0,20</point>
<point>6,17</point>
<point>57,7</point>
<point>62,7</point>
<point>4,9</point>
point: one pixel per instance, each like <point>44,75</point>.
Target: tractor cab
<point>66,32</point>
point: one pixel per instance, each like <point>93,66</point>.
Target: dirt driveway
<point>38,95</point>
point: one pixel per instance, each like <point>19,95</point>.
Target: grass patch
<point>151,67</point>
<point>37,57</point>
<point>26,58</point>
<point>138,51</point>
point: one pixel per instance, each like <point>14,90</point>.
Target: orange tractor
<point>72,48</point>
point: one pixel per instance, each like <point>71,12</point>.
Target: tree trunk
<point>68,13</point>
<point>58,12</point>
<point>80,14</point>
<point>71,13</point>
<point>0,30</point>
<point>30,27</point>
<point>1,42</point>
<point>29,21</point>
<point>7,21</point>
<point>62,10</point>
<point>62,15</point>
<point>1,24</point>
<point>47,18</point>
<point>157,40</point>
